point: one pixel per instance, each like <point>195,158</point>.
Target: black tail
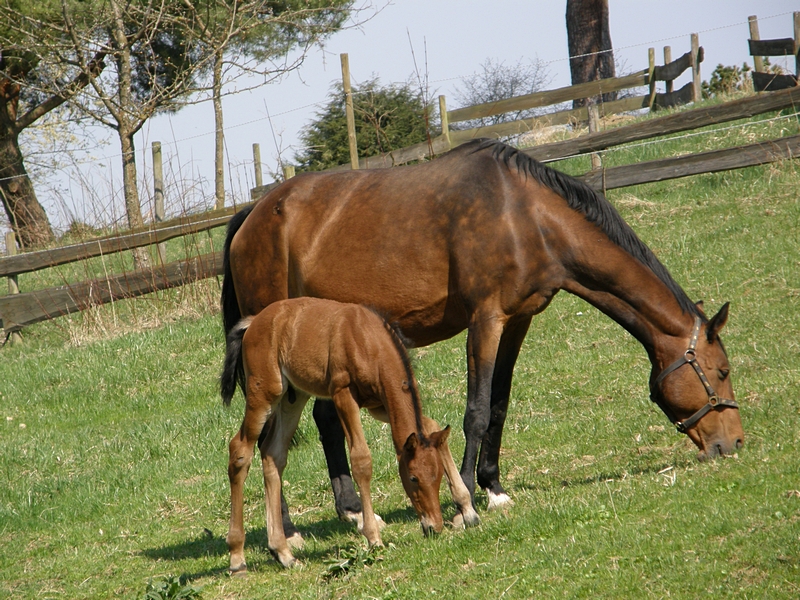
<point>230,305</point>
<point>233,370</point>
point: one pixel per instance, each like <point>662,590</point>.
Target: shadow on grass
<point>209,545</point>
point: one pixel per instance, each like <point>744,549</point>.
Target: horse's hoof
<point>296,541</point>
<point>239,570</point>
<point>458,521</point>
<point>358,519</point>
<point>499,500</point>
<point>466,518</point>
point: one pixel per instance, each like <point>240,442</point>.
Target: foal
<point>304,347</point>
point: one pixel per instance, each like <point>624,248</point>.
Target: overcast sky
<point>449,39</point>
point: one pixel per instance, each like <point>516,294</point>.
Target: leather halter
<point>690,358</point>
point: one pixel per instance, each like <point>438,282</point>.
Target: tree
<point>496,81</point>
<point>589,41</point>
<point>245,37</point>
<point>31,86</point>
<point>387,118</point>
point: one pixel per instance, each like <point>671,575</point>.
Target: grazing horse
<point>482,238</point>
<point>306,346</point>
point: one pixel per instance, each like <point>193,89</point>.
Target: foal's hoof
<point>295,541</point>
<point>466,518</point>
<point>239,570</point>
<point>358,519</point>
<point>499,500</point>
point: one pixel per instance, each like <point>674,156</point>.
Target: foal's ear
<point>440,437</point>
<point>411,444</point>
<point>716,323</point>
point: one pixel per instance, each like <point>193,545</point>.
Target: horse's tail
<point>233,369</point>
<point>229,302</point>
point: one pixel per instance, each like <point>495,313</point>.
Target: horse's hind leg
<point>489,458</point>
<point>240,456</point>
<point>274,452</point>
<point>361,460</point>
<point>347,502</point>
<point>466,516</point>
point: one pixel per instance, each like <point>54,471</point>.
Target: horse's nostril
<point>739,443</point>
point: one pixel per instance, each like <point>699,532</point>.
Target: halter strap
<point>690,357</point>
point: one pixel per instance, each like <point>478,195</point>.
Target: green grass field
<point>113,442</point>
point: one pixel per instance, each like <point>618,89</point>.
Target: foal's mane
<point>595,207</point>
<point>400,344</point>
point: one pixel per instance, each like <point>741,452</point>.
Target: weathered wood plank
<point>694,164</point>
<point>674,69</point>
<point>772,82</point>
<point>776,47</point>
<point>549,97</point>
<point>21,310</point>
<point>668,124</point>
<point>33,261</point>
<point>676,98</point>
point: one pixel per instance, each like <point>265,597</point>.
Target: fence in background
<point>768,81</point>
<point>23,309</point>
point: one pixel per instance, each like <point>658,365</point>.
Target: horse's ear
<point>440,437</point>
<point>411,444</point>
<point>699,305</point>
<point>716,323</point>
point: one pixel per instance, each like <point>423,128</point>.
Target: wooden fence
<point>20,310</point>
<point>769,81</point>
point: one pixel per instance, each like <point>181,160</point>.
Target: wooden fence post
<point>257,164</point>
<point>667,60</point>
<point>288,172</point>
<point>348,104</point>
<point>695,62</point>
<point>158,196</point>
<point>594,126</point>
<point>758,61</point>
<point>651,76</point>
<point>796,19</point>
<point>445,121</point>
<point>13,286</point>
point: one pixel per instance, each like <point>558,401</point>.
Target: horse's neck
<point>631,294</point>
<point>402,413</point>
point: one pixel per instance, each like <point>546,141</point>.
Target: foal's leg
<point>347,502</point>
<point>274,451</point>
<point>489,459</point>
<point>240,456</point>
<point>361,460</point>
<point>466,516</point>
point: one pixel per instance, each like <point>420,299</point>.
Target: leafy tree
<point>387,118</point>
<point>31,86</point>
<point>496,81</point>
<point>589,41</point>
<point>246,37</point>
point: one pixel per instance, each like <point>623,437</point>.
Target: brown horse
<point>481,239</point>
<point>306,346</point>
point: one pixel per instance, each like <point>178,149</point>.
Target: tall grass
<point>119,473</point>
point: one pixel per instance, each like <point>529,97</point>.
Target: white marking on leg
<point>499,500</point>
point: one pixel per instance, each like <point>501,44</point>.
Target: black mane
<point>595,207</point>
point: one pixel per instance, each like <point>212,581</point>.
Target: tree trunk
<point>141,257</point>
<point>26,215</point>
<point>219,136</point>
<point>589,41</point>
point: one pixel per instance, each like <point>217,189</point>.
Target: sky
<point>442,40</point>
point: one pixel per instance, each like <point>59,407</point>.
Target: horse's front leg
<point>466,515</point>
<point>483,339</point>
<point>489,459</point>
<point>346,500</point>
<point>361,459</point>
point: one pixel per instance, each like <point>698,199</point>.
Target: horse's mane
<point>401,343</point>
<point>594,206</point>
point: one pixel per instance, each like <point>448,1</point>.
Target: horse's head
<point>695,390</point>
<point>421,471</point>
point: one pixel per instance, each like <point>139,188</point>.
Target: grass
<point>118,477</point>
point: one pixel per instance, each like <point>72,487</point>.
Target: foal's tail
<point>233,369</point>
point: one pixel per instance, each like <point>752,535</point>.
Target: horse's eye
<point>413,479</point>
<point>723,374</point>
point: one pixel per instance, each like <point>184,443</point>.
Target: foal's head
<point>421,472</point>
